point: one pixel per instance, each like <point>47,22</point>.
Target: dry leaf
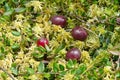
<point>115,52</point>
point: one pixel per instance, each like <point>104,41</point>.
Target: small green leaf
<point>14,64</point>
<point>4,76</point>
<point>30,71</point>
<point>62,73</point>
<point>41,49</point>
<point>118,75</point>
<point>14,69</point>
<point>15,1</point>
<point>1,1</point>
<point>15,46</point>
<point>55,67</point>
<point>7,7</point>
<point>69,64</point>
<point>41,67</point>
<point>35,38</point>
<point>116,1</point>
<point>1,56</point>
<point>9,12</point>
<point>74,62</point>
<point>73,71</point>
<point>60,47</point>
<point>81,69</point>
<point>19,10</point>
<point>4,19</point>
<point>16,33</point>
<point>111,27</point>
<point>113,20</point>
<point>47,48</point>
<point>2,49</point>
<point>47,75</point>
<point>37,55</point>
<point>6,40</point>
<point>61,67</point>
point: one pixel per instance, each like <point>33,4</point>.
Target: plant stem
<point>7,73</point>
<point>118,63</point>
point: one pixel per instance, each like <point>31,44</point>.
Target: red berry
<point>59,20</point>
<point>79,33</point>
<point>73,53</point>
<point>42,42</point>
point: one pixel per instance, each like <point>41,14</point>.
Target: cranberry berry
<point>73,54</point>
<point>59,20</point>
<point>79,33</point>
<point>42,42</point>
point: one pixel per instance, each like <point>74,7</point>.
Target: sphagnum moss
<point>23,22</point>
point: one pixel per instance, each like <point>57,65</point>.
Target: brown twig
<point>7,73</point>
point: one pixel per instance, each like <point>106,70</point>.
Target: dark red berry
<point>59,20</point>
<point>73,53</point>
<point>42,42</point>
<point>79,33</point>
<point>118,21</point>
